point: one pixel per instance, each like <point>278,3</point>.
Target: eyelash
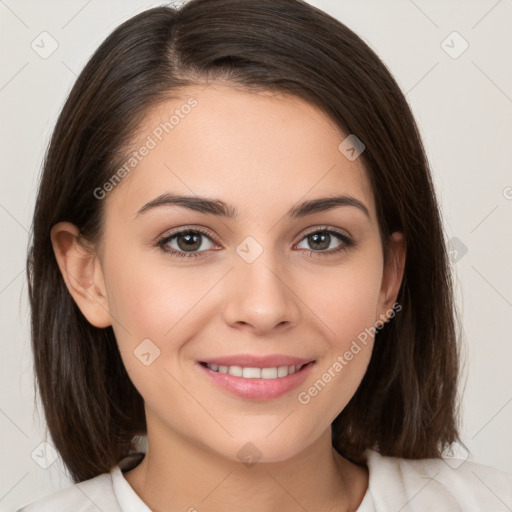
<point>347,242</point>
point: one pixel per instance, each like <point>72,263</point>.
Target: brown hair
<point>406,403</point>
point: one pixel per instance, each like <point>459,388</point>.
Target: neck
<point>177,475</point>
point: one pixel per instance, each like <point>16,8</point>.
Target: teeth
<point>269,373</point>
<point>256,373</point>
<point>236,371</point>
<point>282,371</point>
<point>251,373</point>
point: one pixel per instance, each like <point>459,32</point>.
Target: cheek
<point>345,300</point>
<point>150,297</point>
<point>346,297</point>
<point>157,309</point>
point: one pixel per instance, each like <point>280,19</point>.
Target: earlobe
<point>82,273</point>
<point>393,274</point>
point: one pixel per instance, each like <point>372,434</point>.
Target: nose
<point>260,296</point>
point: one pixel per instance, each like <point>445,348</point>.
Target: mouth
<point>257,378</point>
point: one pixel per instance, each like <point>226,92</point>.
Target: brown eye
<point>185,243</point>
<point>319,241</point>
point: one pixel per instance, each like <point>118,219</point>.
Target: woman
<point>238,256</point>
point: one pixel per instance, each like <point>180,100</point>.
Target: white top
<point>395,484</point>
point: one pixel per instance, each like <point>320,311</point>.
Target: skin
<point>263,153</point>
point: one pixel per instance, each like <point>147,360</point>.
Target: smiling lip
<point>257,388</point>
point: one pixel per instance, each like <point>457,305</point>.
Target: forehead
<point>262,152</point>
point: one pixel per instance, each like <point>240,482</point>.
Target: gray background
<point>462,103</point>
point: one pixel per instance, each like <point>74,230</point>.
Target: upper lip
<point>254,361</point>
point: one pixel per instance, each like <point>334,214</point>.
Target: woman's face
<point>270,285</point>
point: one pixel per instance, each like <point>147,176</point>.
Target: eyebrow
<point>221,209</point>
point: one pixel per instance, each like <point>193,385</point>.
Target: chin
<point>259,448</point>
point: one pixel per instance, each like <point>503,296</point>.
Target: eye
<point>188,241</point>
<point>321,239</point>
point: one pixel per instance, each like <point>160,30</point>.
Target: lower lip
<point>258,389</point>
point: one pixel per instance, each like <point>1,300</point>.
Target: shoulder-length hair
<point>406,403</point>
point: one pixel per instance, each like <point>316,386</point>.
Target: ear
<point>392,276</point>
<point>81,269</point>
